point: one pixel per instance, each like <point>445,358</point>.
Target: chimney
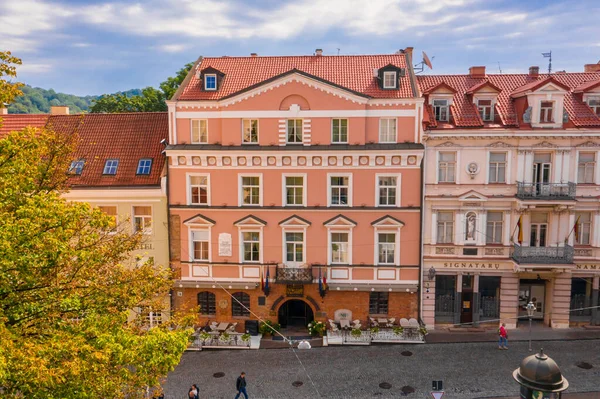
<point>319,52</point>
<point>477,72</point>
<point>59,110</point>
<point>534,71</point>
<point>3,111</point>
<point>253,55</point>
<point>409,51</point>
<point>591,67</point>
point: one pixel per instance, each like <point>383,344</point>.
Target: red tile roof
<point>127,137</point>
<point>12,122</point>
<point>464,113</point>
<point>537,84</point>
<point>352,72</point>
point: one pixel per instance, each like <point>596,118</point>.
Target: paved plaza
<point>468,370</point>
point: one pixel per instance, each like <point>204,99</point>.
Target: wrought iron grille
<point>294,275</point>
<point>546,191</point>
<point>490,307</point>
<point>543,255</point>
<point>580,301</point>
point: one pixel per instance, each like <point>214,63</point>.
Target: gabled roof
<point>535,85</point>
<point>13,122</point>
<point>250,220</point>
<point>441,85</point>
<point>587,86</point>
<point>481,85</point>
<point>352,72</point>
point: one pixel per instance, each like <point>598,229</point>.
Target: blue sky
<point>95,47</point>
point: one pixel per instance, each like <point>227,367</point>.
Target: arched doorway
<point>295,313</point>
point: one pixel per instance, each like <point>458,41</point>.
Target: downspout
<point>171,292</point>
<point>422,220</point>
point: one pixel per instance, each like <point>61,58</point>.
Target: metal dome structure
<point>540,373</point>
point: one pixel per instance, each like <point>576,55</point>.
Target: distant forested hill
<point>36,100</point>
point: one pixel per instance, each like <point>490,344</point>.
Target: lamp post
<point>540,378</point>
<point>530,311</point>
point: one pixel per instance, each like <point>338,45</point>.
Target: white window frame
<point>76,167</point>
<point>329,188</point>
<point>188,180</point>
<point>199,135</point>
<point>340,130</point>
<point>244,131</point>
<point>284,189</point>
<point>595,108</point>
<point>387,230</point>
<point>489,166</point>
<point>339,230</point>
<point>145,231</point>
<point>284,246</point>
<point>116,215</point>
<point>212,75</point>
<point>244,229</point>
<point>388,122</point>
<point>437,172</point>
<point>394,75</point>
<point>447,107</point>
<point>109,168</point>
<point>191,241</point>
<point>489,117</point>
<point>552,110</point>
<point>452,221</point>
<point>581,227</point>
<point>137,171</point>
<point>378,187</point>
<point>594,166</point>
<point>241,189</point>
<point>287,130</point>
<point>500,240</point>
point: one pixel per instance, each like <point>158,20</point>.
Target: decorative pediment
<point>500,144</point>
<point>484,88</point>
<point>589,144</point>
<point>442,87</point>
<point>472,196</point>
<point>295,221</point>
<point>387,221</point>
<point>340,221</point>
<point>448,144</point>
<point>545,144</point>
<point>250,221</point>
<point>199,220</point>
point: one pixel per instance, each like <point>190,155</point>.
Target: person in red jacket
<point>503,341</point>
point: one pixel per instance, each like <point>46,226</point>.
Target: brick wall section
<point>561,301</point>
<point>401,304</point>
<point>509,300</point>
<point>174,237</point>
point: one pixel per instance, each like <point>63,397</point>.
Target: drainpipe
<point>171,292</point>
<point>422,220</point>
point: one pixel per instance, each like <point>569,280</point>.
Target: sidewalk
<point>566,395</point>
<point>490,334</point>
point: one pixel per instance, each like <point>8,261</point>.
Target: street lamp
<point>530,311</point>
<point>540,378</point>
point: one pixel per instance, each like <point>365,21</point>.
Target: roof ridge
<point>301,56</point>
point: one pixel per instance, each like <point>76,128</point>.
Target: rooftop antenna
<point>338,49</point>
<point>549,55</point>
<point>499,68</point>
<point>420,67</point>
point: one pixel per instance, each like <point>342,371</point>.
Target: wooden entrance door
<point>466,303</point>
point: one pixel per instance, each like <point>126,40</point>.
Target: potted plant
<point>316,328</point>
<point>268,327</point>
<point>374,329</point>
<point>398,330</point>
<point>245,337</point>
<point>204,336</point>
<point>224,337</point>
<point>423,331</point>
<point>356,333</point>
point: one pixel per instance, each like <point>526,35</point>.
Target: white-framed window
<point>200,248</point>
<point>547,112</point>
<point>77,166</point>
<point>144,166</point>
<point>210,81</point>
<point>199,131</point>
<point>584,228</point>
<point>585,167</point>
<point>251,246</point>
<point>493,233</point>
<point>386,248</point>
<point>440,109</point>
<point>388,190</point>
<point>486,109</point>
<point>387,130</point>
<point>294,247</point>
<point>294,190</point>
<point>142,219</point>
<point>111,211</point>
<point>339,247</point>
<point>339,130</point>
<point>110,167</point>
<point>340,190</point>
<point>594,104</point>
<point>294,131</point>
<point>250,131</point>
<point>447,167</point>
<point>250,190</point>
<point>389,79</point>
<point>445,227</point>
<point>198,190</point>
<point>497,167</point>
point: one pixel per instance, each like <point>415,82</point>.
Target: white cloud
<point>172,48</point>
<point>34,68</point>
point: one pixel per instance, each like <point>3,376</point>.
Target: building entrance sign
<point>294,290</point>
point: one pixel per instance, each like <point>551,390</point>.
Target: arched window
<point>236,308</point>
<point>207,303</point>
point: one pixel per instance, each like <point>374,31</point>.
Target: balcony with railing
<point>546,191</point>
<point>294,275</point>
<point>543,255</point>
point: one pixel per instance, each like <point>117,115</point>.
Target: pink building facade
<point>304,171</point>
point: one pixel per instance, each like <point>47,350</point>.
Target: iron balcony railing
<point>546,191</point>
<point>294,275</point>
<point>543,255</point>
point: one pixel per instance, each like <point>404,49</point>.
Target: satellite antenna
<point>420,67</point>
<point>549,55</point>
<point>499,68</point>
<point>338,49</point>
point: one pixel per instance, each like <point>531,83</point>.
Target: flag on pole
<point>576,229</point>
<point>520,227</point>
<point>262,279</point>
<point>325,286</point>
<point>266,289</point>
<point>321,292</point>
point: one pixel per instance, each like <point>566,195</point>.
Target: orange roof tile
<point>352,72</point>
<point>12,122</point>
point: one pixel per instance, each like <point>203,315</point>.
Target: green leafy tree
<point>170,86</point>
<point>8,90</point>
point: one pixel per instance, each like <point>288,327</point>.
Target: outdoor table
<point>222,326</point>
<point>345,323</point>
<point>382,321</point>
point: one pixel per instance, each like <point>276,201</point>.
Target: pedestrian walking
<point>193,392</point>
<point>503,340</point>
<point>240,385</point>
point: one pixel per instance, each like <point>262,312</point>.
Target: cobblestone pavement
<point>468,370</point>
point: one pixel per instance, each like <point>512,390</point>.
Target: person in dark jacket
<point>240,385</point>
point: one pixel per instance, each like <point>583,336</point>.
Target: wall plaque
<point>224,244</point>
<point>294,290</point>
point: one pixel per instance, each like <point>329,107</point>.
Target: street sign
<point>437,395</point>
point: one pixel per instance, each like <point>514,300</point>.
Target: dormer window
<point>76,167</point>
<point>144,166</point>
<point>440,108</point>
<point>210,81</point>
<point>110,167</point>
<point>594,103</point>
<point>389,80</point>
<point>486,110</point>
<point>547,112</point>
